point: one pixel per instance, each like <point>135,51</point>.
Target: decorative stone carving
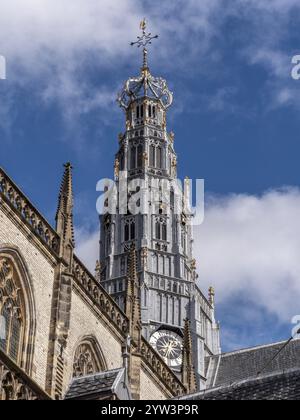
<point>211,294</point>
<point>144,257</point>
<point>145,86</point>
<point>12,389</point>
<point>10,193</point>
<point>98,270</point>
<point>172,137</point>
<point>14,385</point>
<point>85,362</point>
<point>11,311</point>
<point>145,159</point>
<point>117,168</point>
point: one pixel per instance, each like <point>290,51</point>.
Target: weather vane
<point>144,40</point>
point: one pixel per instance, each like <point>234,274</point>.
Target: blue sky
<point>235,116</point>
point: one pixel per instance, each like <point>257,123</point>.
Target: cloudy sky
<point>235,115</point>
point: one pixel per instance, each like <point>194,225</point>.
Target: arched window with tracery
<point>12,311</point>
<point>129,229</point>
<point>161,229</point>
<point>88,359</point>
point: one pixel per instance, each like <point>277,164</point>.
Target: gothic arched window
<point>140,156</point>
<point>129,230</point>
<point>121,159</point>
<point>136,156</point>
<point>152,156</point>
<point>161,229</point>
<point>132,157</point>
<point>12,311</point>
<point>159,158</point>
<point>154,111</point>
<point>183,239</point>
<point>88,359</point>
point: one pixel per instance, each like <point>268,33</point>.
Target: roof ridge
<point>104,372</point>
<point>249,349</point>
<point>253,379</point>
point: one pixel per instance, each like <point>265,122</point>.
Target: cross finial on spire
<point>143,41</point>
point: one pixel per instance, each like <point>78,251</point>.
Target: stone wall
<point>151,388</point>
<point>17,240</point>
<point>86,322</point>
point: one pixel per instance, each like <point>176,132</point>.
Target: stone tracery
<point>86,360</point>
<point>11,311</point>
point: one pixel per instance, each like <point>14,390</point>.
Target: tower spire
<point>143,41</point>
<point>64,214</point>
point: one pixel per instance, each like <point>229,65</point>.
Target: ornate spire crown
<point>145,85</point>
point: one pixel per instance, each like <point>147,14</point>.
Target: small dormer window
<point>129,230</point>
<point>138,111</point>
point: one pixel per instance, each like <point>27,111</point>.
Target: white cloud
<point>54,42</point>
<point>33,29</point>
<point>250,246</point>
<point>87,247</point>
<point>223,100</point>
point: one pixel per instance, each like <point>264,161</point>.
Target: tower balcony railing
<point>155,363</point>
<point>100,297</point>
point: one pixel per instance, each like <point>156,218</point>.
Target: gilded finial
<point>194,264</point>
<point>117,168</point>
<point>143,25</point>
<point>143,41</point>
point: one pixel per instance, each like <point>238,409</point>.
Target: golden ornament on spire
<point>143,25</point>
<point>143,41</point>
<point>211,294</point>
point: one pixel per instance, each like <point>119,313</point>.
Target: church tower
<point>146,208</point>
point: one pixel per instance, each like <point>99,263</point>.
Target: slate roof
<point>283,386</point>
<point>102,385</point>
<point>229,368</point>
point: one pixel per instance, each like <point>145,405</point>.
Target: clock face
<point>169,345</point>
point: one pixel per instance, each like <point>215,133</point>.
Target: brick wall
<point>41,275</point>
<point>150,389</point>
<point>85,322</point>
